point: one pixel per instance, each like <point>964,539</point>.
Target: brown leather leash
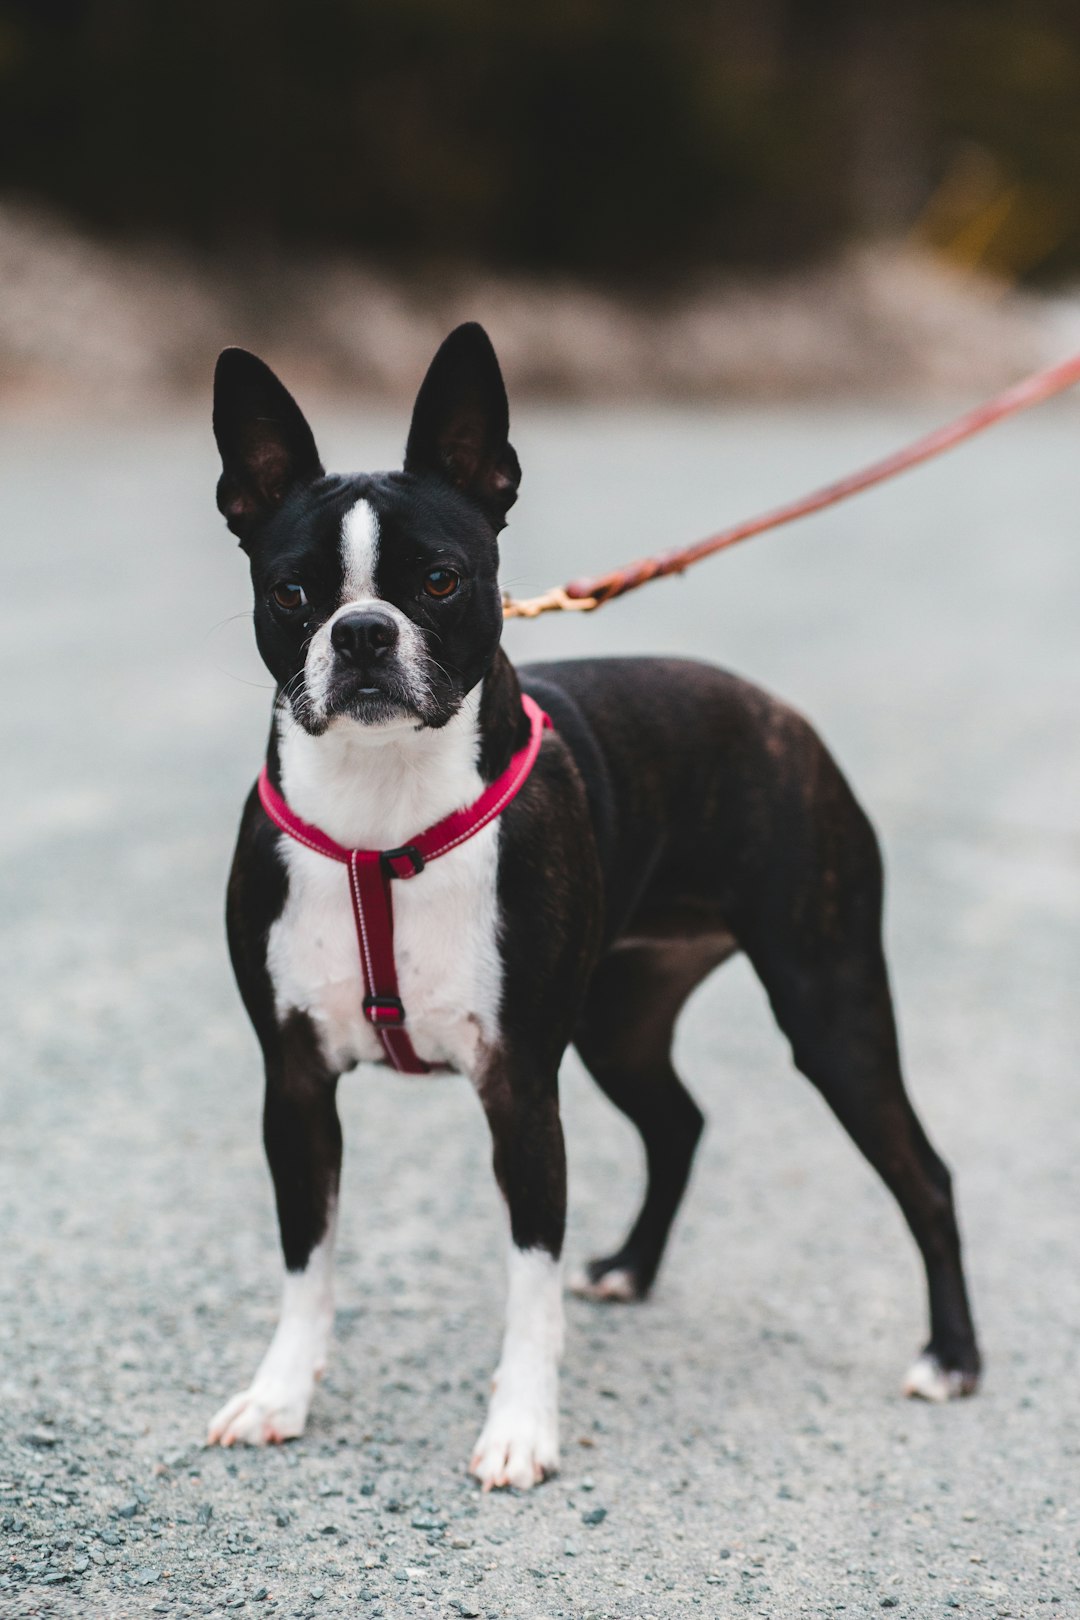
<point>583,595</point>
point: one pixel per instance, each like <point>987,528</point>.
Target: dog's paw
<point>264,1415</point>
<point>519,1445</point>
<point>929,1380</point>
<point>607,1280</point>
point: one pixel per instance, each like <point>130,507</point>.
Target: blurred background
<point>676,197</point>
<point>726,251</point>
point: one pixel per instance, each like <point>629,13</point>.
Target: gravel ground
<point>736,1445</point>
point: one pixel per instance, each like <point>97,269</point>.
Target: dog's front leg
<point>302,1136</point>
<point>519,1443</point>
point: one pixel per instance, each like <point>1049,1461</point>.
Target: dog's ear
<point>461,421</point>
<point>266,445</point>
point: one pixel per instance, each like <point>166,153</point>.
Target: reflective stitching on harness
<point>301,838</point>
<point>495,810</point>
<point>358,899</point>
<point>369,972</point>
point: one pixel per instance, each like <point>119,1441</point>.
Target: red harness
<point>370,872</point>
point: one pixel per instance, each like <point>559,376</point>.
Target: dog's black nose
<point>363,638</point>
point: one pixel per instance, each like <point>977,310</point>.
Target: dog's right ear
<point>266,445</point>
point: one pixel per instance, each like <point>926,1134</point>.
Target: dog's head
<point>376,595</point>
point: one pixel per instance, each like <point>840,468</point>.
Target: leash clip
<point>553,601</point>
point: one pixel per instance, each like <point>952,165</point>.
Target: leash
<point>585,595</point>
<point>372,870</point>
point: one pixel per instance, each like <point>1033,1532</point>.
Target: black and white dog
<point>674,815</point>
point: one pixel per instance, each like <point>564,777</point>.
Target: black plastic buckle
<point>408,852</point>
<point>391,1005</point>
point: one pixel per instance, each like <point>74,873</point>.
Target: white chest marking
<point>375,794</point>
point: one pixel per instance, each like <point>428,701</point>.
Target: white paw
<point>928,1380</point>
<point>519,1444</point>
<point>264,1415</point>
<point>619,1286</point>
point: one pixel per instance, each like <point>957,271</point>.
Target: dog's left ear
<point>461,421</point>
<point>265,442</point>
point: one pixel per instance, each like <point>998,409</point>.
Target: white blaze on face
<point>360,553</point>
<point>519,1444</point>
<point>360,561</point>
<point>359,557</point>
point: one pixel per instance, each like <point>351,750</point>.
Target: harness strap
<point>373,913</point>
<point>371,872</point>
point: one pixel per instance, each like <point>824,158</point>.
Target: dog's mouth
<point>370,703</point>
<point>377,698</point>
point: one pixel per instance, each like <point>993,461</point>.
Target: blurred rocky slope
<point>133,325</point>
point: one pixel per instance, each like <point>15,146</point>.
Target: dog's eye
<point>441,582</point>
<point>289,596</point>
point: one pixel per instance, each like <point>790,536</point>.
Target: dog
<point>665,815</point>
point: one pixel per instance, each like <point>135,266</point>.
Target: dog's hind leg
<point>815,943</point>
<point>624,1038</point>
<point>302,1135</point>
